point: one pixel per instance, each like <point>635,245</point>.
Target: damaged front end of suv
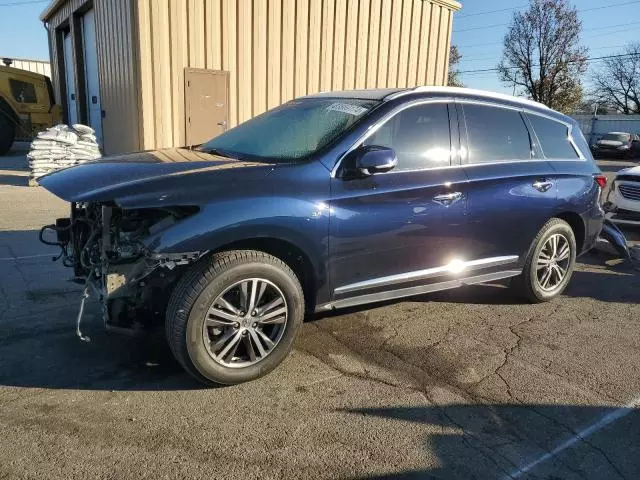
<point>106,247</point>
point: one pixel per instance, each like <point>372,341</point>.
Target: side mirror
<point>374,159</point>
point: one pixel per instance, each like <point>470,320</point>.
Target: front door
<point>207,104</point>
<point>388,228</point>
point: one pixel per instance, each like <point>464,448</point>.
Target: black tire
<point>7,134</point>
<point>528,284</point>
<point>198,289</point>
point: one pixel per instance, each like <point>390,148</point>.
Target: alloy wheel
<point>245,323</point>
<point>553,261</point>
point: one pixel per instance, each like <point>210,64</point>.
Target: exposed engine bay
<point>103,244</point>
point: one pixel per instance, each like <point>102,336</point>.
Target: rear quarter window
<point>553,137</point>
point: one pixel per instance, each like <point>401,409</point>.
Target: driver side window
<point>419,135</point>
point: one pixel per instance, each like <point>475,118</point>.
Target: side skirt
<point>420,289</point>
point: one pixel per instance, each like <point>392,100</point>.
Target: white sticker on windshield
<point>346,108</point>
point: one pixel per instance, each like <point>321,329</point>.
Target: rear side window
<point>496,134</point>
<point>419,135</point>
<point>553,137</point>
<point>23,92</point>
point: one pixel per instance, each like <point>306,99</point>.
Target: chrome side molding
<point>455,267</point>
<point>420,289</point>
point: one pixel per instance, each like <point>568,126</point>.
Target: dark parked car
<point>617,144</point>
<point>328,201</point>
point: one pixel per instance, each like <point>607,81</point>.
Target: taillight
<point>600,180</point>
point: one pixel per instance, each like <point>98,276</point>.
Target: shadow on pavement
<point>14,180</point>
<point>41,356</point>
<point>523,440</point>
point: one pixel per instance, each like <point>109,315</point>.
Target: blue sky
<point>480,42</point>
<point>22,35</point>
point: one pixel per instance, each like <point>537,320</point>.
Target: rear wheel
<point>549,263</point>
<point>7,134</point>
<point>233,318</point>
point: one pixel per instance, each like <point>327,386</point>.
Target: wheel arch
<point>293,255</point>
<point>578,226</point>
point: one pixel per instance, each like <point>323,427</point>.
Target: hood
<point>632,171</point>
<point>154,178</point>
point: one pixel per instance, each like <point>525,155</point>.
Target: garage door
<point>92,82</point>
<point>72,107</point>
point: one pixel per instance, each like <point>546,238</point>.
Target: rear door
<point>512,191</point>
<point>567,151</point>
<point>388,227</point>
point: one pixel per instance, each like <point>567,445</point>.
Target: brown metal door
<point>206,95</point>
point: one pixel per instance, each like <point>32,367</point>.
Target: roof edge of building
<point>450,4</point>
<point>53,6</point>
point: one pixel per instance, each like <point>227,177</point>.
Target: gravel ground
<point>470,383</point>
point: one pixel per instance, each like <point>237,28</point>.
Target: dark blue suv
<point>328,201</point>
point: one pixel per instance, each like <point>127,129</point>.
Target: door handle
<point>223,124</point>
<point>542,185</point>
<point>447,199</point>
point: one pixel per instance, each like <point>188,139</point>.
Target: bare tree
<point>617,81</point>
<point>454,74</point>
<point>543,56</point>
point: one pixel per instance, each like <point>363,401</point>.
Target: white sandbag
<point>88,137</point>
<point>62,147</point>
<point>44,144</point>
<point>60,136</point>
<point>83,129</point>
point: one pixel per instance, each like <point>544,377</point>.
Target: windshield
<point>292,131</point>
<point>618,137</point>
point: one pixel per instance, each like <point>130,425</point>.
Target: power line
<point>491,11</point>
<point>521,6</point>
<point>480,28</point>
<point>588,59</point>
<point>489,57</point>
<point>585,30</point>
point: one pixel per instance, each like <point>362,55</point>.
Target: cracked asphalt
<point>470,383</point>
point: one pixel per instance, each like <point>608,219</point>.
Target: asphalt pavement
<point>470,383</point>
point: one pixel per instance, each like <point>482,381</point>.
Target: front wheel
<point>234,317</point>
<point>549,263</point>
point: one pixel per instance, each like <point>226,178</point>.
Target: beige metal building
<point>160,73</point>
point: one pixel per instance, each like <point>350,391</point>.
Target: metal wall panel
<point>118,62</point>
<point>117,67</point>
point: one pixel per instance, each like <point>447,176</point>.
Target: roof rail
<point>468,91</point>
